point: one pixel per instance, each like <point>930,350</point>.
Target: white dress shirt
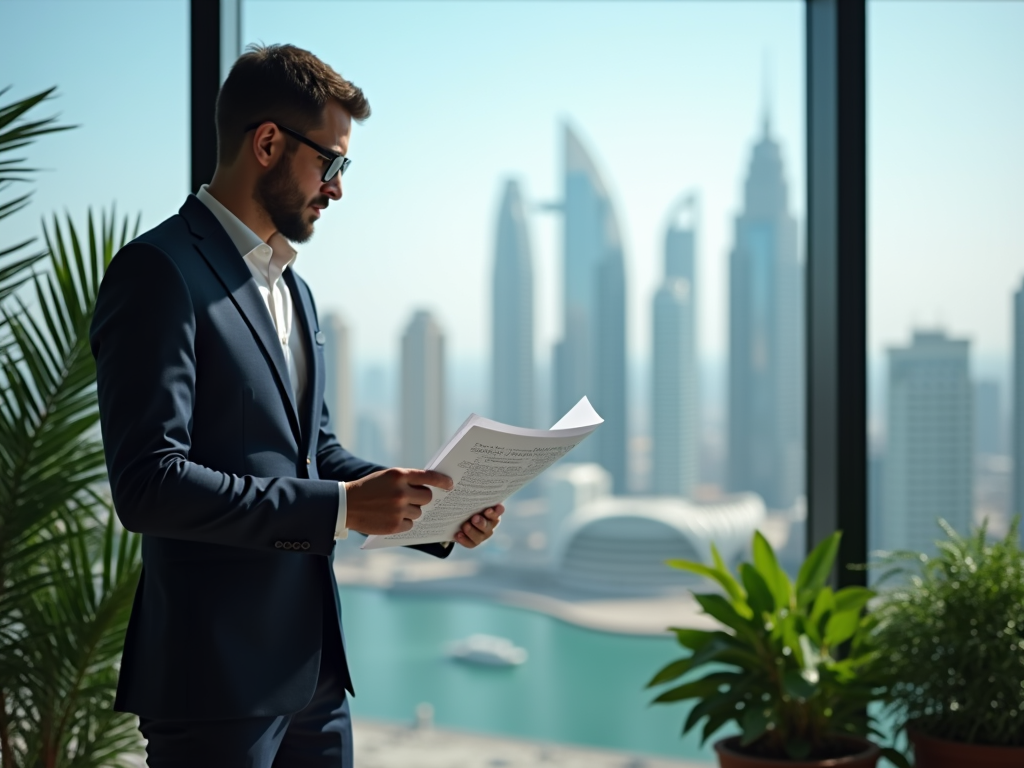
<point>267,263</point>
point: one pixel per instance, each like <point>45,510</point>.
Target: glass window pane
<point>945,185</point>
<point>552,200</point>
<point>125,90</point>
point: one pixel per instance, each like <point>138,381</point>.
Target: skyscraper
<point>766,441</point>
<point>591,357</point>
<point>988,418</point>
<point>674,427</point>
<point>1017,504</point>
<point>929,458</point>
<point>338,378</point>
<point>512,338</point>
<point>422,390</point>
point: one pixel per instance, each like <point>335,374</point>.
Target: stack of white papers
<point>488,462</point>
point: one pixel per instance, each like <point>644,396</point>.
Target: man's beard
<point>283,201</point>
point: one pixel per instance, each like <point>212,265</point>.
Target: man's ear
<point>265,145</point>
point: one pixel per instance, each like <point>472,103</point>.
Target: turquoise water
<point>578,686</point>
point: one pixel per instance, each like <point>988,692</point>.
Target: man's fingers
<point>419,495</point>
<point>412,512</point>
<point>428,477</point>
<point>470,536</point>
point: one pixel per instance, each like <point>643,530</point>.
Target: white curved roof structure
<point>620,543</point>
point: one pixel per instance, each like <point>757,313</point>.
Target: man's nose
<point>332,188</point>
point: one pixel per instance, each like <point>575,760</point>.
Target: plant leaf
<point>719,717</point>
<point>729,583</point>
<point>671,671</point>
<point>824,605</point>
<point>722,577</point>
<point>816,569</point>
<point>759,596</point>
<point>853,598</point>
<point>721,609</point>
<point>841,627</point>
<point>694,639</point>
<point>896,758</point>
<point>796,685</point>
<point>754,723</point>
<point>768,566</point>
<point>695,689</point>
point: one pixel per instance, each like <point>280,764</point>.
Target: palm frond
<point>67,655</point>
<point>15,132</point>
<point>67,578</point>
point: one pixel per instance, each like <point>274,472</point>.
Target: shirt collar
<point>272,258</point>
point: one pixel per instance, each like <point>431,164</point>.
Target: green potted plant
<point>952,635</point>
<point>791,666</point>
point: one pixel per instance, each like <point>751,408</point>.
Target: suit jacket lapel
<point>220,253</point>
<point>307,326</point>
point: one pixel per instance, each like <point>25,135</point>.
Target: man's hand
<point>388,501</point>
<point>480,527</point>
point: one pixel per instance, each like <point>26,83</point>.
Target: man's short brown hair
<point>279,82</point>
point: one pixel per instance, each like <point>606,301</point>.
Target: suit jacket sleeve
<point>142,337</point>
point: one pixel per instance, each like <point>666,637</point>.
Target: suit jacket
<point>233,484</point>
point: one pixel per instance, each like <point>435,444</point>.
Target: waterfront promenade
<point>407,573</point>
<point>387,745</point>
<point>390,745</point>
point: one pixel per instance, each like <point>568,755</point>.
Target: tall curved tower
<point>591,357</point>
<point>766,442</point>
<point>512,329</point>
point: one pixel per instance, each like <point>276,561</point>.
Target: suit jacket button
<point>305,545</point>
<point>278,544</point>
<point>287,545</point>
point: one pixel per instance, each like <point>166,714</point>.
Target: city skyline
<point>684,135</point>
<point>916,225</point>
<point>765,248</point>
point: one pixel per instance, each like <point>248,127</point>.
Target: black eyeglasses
<point>335,163</point>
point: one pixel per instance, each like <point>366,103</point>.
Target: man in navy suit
<point>210,375</point>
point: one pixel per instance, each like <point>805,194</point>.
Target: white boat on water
<point>488,650</point>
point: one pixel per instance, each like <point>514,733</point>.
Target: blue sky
<point>668,97</point>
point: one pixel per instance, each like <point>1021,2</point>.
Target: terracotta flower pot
<point>930,752</point>
<point>864,754</point>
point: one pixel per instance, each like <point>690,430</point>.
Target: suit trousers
<point>318,736</point>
